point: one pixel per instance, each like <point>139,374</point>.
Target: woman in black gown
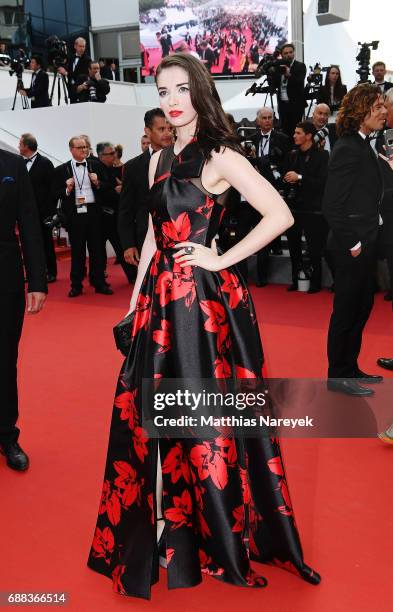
<point>222,501</point>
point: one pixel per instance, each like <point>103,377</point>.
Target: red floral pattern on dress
<point>180,513</point>
<point>110,503</point>
<point>176,464</point>
<point>103,544</point>
<point>163,336</point>
<point>116,576</point>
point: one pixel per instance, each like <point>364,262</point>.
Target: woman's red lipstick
<point>175,113</point>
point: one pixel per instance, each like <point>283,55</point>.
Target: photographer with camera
<point>41,171</point>
<point>77,64</point>
<point>111,189</point>
<point>333,90</point>
<point>78,184</point>
<point>38,90</point>
<point>91,87</point>
<point>304,178</point>
<point>289,84</point>
<point>326,135</point>
<point>271,146</point>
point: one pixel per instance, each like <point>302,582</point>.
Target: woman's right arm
<point>149,244</point>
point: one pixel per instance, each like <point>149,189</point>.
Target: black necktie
<point>80,164</point>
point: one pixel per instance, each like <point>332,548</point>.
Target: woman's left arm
<point>234,169</point>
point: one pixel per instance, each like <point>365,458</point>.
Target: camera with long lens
<point>363,59</point>
<point>314,81</point>
<point>269,66</point>
<point>92,87</point>
<point>57,51</point>
<point>321,135</point>
<point>56,221</point>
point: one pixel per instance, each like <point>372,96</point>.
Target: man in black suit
<point>133,213</point>
<point>320,120</point>
<point>17,208</point>
<point>305,173</point>
<point>78,63</point>
<point>91,87</point>
<point>207,55</point>
<point>351,206</point>
<point>78,184</point>
<point>110,205</point>
<point>38,90</point>
<point>271,146</point>
<point>379,73</point>
<point>41,171</point>
<point>290,90</point>
<point>386,230</point>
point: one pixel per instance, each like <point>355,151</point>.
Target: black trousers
<point>110,233</point>
<point>12,309</point>
<point>85,229</point>
<point>353,301</point>
<point>290,116</point>
<point>315,229</point>
<point>49,248</point>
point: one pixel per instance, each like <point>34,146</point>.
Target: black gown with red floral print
<point>225,500</point>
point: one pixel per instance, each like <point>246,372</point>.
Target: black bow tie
<point>80,164</point>
<point>265,135</point>
<point>29,160</point>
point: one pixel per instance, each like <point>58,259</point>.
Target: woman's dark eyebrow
<point>180,84</point>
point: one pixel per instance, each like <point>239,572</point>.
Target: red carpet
<point>68,370</point>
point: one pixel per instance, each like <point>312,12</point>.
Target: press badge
<point>81,209</point>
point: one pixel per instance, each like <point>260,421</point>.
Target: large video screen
<point>229,36</point>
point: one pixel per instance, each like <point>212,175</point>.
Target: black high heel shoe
<point>161,545</point>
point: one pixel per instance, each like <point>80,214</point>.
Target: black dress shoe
<point>314,290</point>
<point>386,363</point>
<point>368,378</point>
<point>105,290</point>
<point>74,292</point>
<point>51,278</point>
<point>292,287</point>
<point>348,386</point>
<point>16,457</point>
<point>388,296</point>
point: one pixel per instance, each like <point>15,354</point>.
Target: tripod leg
<point>16,93</point>
<point>65,89</point>
<point>53,86</point>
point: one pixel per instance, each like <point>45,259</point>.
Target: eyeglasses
<point>80,148</point>
<point>109,153</point>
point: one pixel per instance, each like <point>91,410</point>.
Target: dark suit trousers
<point>353,301</point>
<point>110,233</point>
<point>315,230</point>
<point>86,229</point>
<point>290,116</point>
<point>49,248</point>
<point>12,308</point>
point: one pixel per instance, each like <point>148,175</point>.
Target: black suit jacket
<point>324,95</point>
<point>314,174</point>
<point>64,172</point>
<point>41,176</point>
<point>18,208</point>
<point>38,93</point>
<point>279,145</point>
<point>353,193</point>
<point>386,86</point>
<point>133,212</point>
<point>386,230</point>
<point>295,86</point>
<point>82,67</point>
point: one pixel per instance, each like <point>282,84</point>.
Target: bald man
<point>320,120</point>
<point>78,64</point>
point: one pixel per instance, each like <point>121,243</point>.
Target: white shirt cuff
<point>356,247</point>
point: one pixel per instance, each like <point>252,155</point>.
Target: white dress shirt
<point>83,186</point>
<point>30,161</point>
<point>264,144</point>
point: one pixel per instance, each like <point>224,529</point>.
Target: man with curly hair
<point>351,206</point>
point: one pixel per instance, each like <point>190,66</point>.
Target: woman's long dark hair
<point>338,91</point>
<point>213,127</point>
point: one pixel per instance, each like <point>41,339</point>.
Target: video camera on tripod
<point>269,67</point>
<point>58,58</point>
<point>57,51</point>
<point>17,66</point>
<point>314,81</point>
<point>363,58</point>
